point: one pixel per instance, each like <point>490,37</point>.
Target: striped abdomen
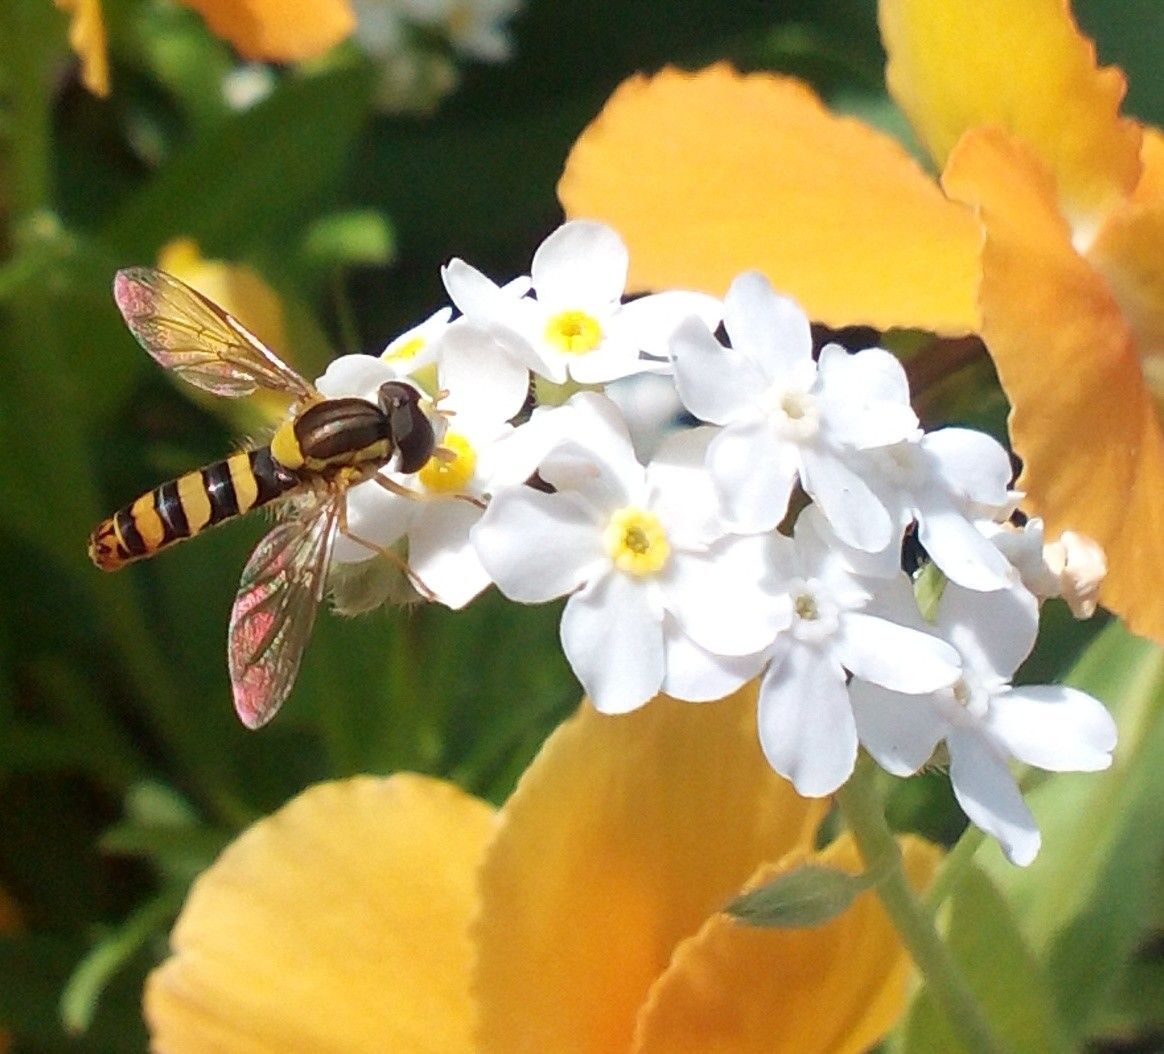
<point>189,504</point>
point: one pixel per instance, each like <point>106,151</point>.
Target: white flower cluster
<point>414,42</point>
<point>677,576</point>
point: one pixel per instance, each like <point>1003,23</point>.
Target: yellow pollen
<point>961,693</point>
<point>448,475</point>
<point>408,350</point>
<point>793,405</point>
<point>574,331</point>
<point>636,541</point>
<point>805,607</point>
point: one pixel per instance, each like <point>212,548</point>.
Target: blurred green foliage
<point>122,767</point>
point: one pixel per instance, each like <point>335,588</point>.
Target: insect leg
<point>381,550</point>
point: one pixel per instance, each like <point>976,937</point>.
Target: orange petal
<point>1081,417</point>
<point>624,835</point>
<point>709,174</point>
<point>1151,185</point>
<point>964,63</point>
<point>834,988</point>
<point>1127,252</point>
<point>87,39</point>
<point>278,30</point>
<point>339,924</point>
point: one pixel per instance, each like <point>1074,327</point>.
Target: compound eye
<point>409,428</point>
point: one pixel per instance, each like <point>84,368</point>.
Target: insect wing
<point>189,334</point>
<point>274,611</point>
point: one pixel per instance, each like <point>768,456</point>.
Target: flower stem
<point>864,812</point>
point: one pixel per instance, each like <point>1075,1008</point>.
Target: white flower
<point>952,482</point>
<point>806,723</point>
<point>660,597</point>
<point>578,327</point>
<point>420,345</point>
<point>1071,568</point>
<point>783,417</point>
<point>473,27</point>
<point>984,721</point>
<point>450,489</point>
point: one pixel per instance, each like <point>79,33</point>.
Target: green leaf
<point>1083,902</point>
<point>94,972</point>
<point>254,176</point>
<point>808,896</point>
<point>362,236</point>
<point>1001,970</point>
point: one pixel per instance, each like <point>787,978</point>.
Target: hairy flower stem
<point>863,808</point>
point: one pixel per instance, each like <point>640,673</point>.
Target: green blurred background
<point>122,766</point>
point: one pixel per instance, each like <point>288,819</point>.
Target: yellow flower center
<point>574,331</point>
<point>408,350</point>
<point>805,607</point>
<point>636,541</point>
<point>448,475</point>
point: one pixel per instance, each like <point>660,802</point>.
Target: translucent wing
<point>270,623</point>
<point>195,338</point>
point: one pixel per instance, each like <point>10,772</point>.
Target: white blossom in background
<point>661,597</point>
<point>984,721</point>
<point>415,42</point>
<point>837,623</point>
<point>784,418</point>
<point>575,326</point>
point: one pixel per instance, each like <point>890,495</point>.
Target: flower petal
<point>278,30</point>
<point>581,264</point>
<point>696,675</point>
<point>900,731</point>
<point>770,329</point>
<point>753,472</point>
<point>830,988</point>
<point>622,837</point>
<point>87,39</point>
<point>896,657</point>
<point>715,383</point>
<point>711,173</point>
<point>806,723</point>
<point>440,553</point>
<point>538,546</point>
<point>339,924</point>
<point>1082,418</point>
<point>988,794</point>
<point>1024,67</point>
<point>854,512</point>
<point>613,640</point>
<point>1054,727</point>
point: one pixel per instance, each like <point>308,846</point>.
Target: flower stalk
<point>863,808</point>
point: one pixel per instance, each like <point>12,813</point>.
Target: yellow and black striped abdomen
<point>189,504</point>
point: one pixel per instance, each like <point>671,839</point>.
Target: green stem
<point>864,812</point>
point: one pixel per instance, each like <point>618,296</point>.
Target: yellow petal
<point>709,174</point>
<point>339,924</point>
<point>234,287</point>
<point>835,988</point>
<point>1151,184</point>
<point>1024,66</point>
<point>624,835</point>
<point>1081,418</point>
<point>278,30</point>
<point>87,39</point>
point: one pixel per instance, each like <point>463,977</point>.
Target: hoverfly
<point>323,448</point>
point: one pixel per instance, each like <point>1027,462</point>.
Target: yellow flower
<point>401,914</point>
<point>87,39</point>
<point>241,292</point>
<point>268,30</point>
<point>278,30</point>
<point>1047,242</point>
